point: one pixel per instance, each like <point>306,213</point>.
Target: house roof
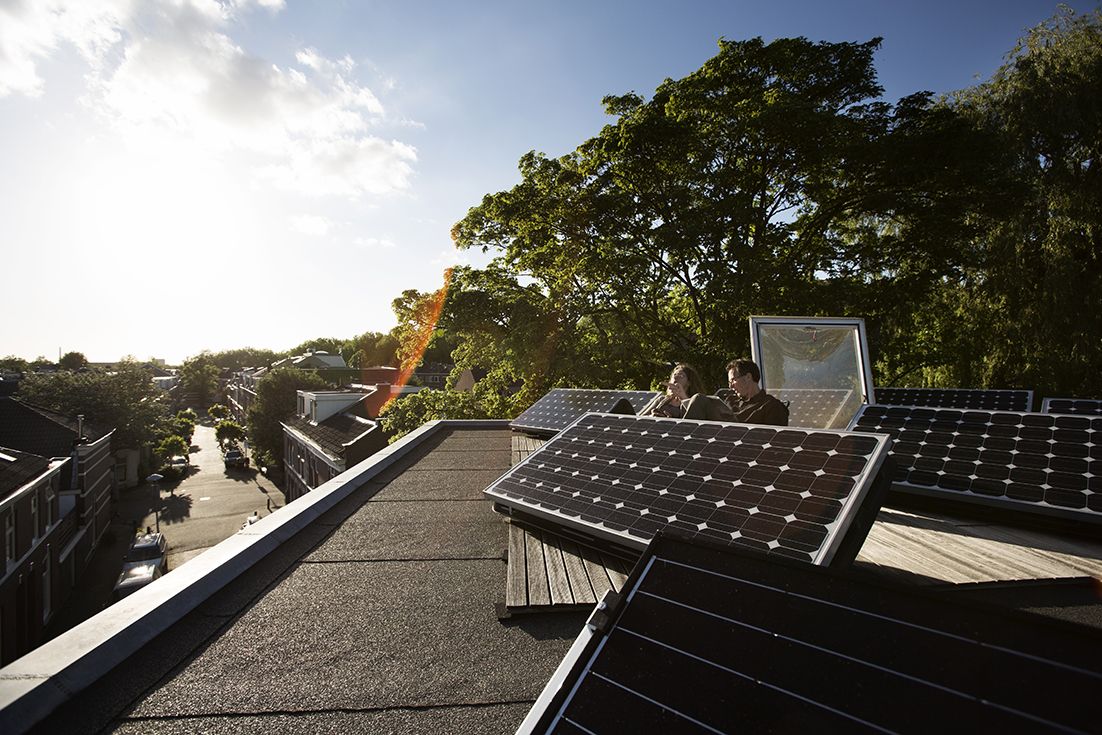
<point>369,605</point>
<point>333,433</point>
<point>37,430</point>
<point>18,468</point>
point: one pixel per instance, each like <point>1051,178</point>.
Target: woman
<point>685,382</point>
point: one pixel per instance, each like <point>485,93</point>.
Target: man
<point>748,404</point>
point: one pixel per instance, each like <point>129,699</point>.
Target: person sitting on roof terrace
<point>747,403</point>
<point>685,383</point>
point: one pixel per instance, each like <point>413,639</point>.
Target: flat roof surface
<point>379,615</point>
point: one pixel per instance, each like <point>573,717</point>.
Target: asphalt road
<point>195,513</point>
<point>210,504</point>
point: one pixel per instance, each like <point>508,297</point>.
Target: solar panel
<point>1034,462</point>
<point>817,408</point>
<point>617,480</point>
<point>990,400</point>
<point>1088,406</point>
<point>562,406</point>
<point>716,640</point>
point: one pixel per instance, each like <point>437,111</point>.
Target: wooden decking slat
<point>557,578</point>
<point>516,574</point>
<point>539,591</point>
<point>598,574</point>
<point>576,572</point>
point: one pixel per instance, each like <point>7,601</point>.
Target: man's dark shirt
<point>761,409</point>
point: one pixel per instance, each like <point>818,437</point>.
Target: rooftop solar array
<point>991,400</point>
<point>1040,463</point>
<point>620,479</point>
<point>562,406</point>
<point>816,408</point>
<point>712,640</point>
<point>1089,406</point>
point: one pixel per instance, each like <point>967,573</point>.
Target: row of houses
<point>57,482</point>
<point>333,430</point>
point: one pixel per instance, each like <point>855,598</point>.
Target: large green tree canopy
<point>775,180</point>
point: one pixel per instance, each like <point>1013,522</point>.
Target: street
<point>207,506</point>
<point>194,513</point>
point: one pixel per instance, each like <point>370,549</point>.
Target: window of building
<point>46,598</point>
<point>34,514</point>
<point>51,496</point>
<point>9,535</point>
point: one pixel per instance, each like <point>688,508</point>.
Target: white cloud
<point>167,72</point>
<point>374,243</point>
<point>311,224</point>
<point>450,258</point>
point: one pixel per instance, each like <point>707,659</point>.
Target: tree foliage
<point>229,432</point>
<point>405,414</point>
<point>72,361</point>
<point>124,399</point>
<point>199,378</point>
<point>217,412</point>
<point>172,446</point>
<point>774,180</point>
<point>275,402</point>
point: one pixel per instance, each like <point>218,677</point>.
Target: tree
<point>124,399</point>
<point>72,361</point>
<point>332,345</point>
<point>245,357</point>
<point>13,364</point>
<point>217,412</point>
<point>1021,310</point>
<point>401,416</point>
<point>172,446</point>
<point>229,432</point>
<point>199,378</point>
<point>772,180</point>
<point>183,426</point>
<point>275,402</point>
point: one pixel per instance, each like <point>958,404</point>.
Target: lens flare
<point>426,325</point>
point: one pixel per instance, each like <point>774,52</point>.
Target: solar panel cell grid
<point>783,491</point>
<point>1026,460</point>
<point>995,400</point>
<point>562,406</point>
<point>820,408</point>
<point>1089,406</point>
<point>706,639</point>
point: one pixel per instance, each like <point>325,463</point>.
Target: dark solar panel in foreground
<point>819,408</point>
<point>562,406</point>
<point>1040,463</point>
<point>712,640</point>
<point>621,479</point>
<point>1088,406</point>
<point>991,400</point>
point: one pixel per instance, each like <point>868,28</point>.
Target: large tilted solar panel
<point>618,480</point>
<point>1087,406</point>
<point>1039,463</point>
<point>705,639</point>
<point>817,408</point>
<point>991,400</point>
<point>562,406</point>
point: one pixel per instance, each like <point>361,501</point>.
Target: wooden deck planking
<point>950,549</point>
<point>557,579</point>
<point>523,445</point>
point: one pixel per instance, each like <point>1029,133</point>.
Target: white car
<point>180,464</point>
<point>134,577</point>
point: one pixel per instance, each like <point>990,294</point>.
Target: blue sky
<point>180,175</point>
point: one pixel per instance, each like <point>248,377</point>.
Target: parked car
<point>179,464</point>
<point>146,560</point>
<point>234,458</point>
<point>134,578</point>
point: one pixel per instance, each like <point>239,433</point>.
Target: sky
<point>188,175</point>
